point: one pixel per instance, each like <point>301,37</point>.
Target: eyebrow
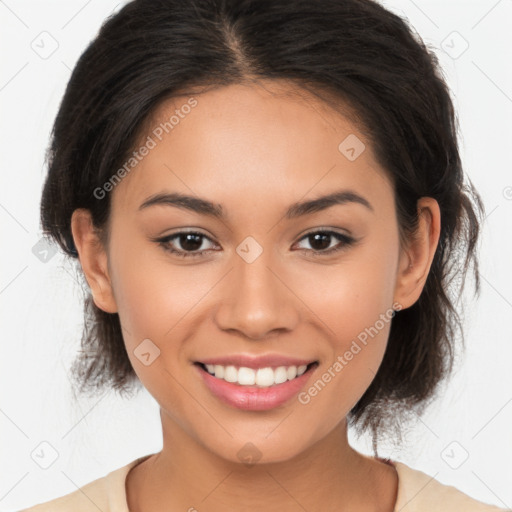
<point>299,209</point>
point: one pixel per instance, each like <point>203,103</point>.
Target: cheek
<point>353,302</point>
<point>360,330</point>
<point>156,298</point>
<point>149,292</point>
<point>153,299</point>
<point>352,295</point>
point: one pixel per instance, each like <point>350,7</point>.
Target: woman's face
<point>263,287</point>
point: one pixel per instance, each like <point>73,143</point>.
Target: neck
<point>329,476</point>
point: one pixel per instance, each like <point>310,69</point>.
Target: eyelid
<point>326,229</point>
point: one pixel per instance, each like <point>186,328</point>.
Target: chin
<point>256,449</point>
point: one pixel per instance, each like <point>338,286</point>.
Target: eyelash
<point>164,242</point>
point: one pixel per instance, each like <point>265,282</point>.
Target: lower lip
<point>253,398</point>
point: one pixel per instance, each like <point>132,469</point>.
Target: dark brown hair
<point>358,57</point>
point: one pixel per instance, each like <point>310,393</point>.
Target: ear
<point>416,259</point>
<point>93,258</point>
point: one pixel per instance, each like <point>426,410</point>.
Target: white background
<point>41,302</point>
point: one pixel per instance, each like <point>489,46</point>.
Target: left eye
<point>192,241</point>
<point>322,237</point>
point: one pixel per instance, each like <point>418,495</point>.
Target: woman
<point>267,202</point>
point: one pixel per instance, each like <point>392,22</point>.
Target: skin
<point>255,150</point>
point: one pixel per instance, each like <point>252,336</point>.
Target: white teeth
<point>218,371</point>
<point>246,376</point>
<point>230,374</point>
<point>262,377</point>
<point>291,372</point>
<point>265,377</point>
<point>280,375</point>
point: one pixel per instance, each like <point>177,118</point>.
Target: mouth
<point>255,389</point>
<point>260,377</point>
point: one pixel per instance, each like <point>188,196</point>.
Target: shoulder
<point>107,494</point>
<point>89,497</point>
<point>419,492</point>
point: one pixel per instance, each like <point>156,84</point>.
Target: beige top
<point>417,492</point>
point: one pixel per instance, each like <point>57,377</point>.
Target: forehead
<point>239,143</point>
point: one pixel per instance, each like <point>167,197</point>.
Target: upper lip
<point>263,361</point>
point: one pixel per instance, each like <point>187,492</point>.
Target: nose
<point>257,301</point>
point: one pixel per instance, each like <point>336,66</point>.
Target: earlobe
<point>416,259</point>
<point>93,259</point>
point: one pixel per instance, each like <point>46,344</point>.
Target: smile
<point>261,377</point>
<point>255,389</point>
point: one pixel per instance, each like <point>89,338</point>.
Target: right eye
<point>190,242</point>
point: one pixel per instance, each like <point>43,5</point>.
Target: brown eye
<point>320,242</point>
<point>189,243</point>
